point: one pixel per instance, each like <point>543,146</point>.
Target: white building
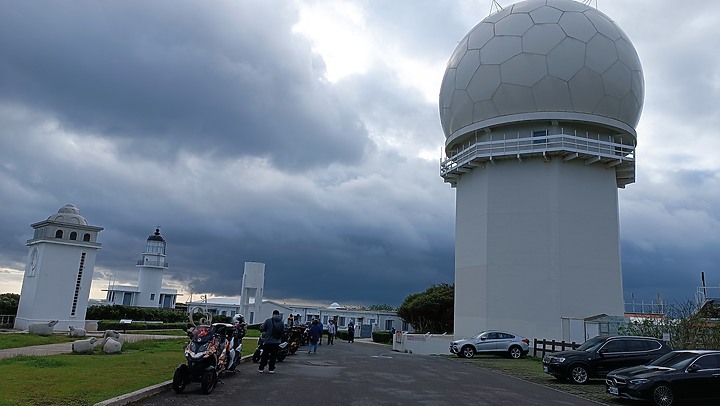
<point>149,291</point>
<point>539,105</point>
<point>59,270</point>
<point>256,309</point>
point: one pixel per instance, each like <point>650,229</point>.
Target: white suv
<point>493,341</point>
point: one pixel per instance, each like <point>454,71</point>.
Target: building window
<point>372,321</point>
<point>325,319</point>
<point>388,324</point>
<point>252,318</point>
<point>341,322</point>
<point>152,296</point>
<point>58,234</point>
<point>73,235</point>
<point>86,237</point>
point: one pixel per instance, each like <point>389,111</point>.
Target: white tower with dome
<point>539,105</point>
<point>59,270</point>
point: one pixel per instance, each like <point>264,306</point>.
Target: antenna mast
<point>495,6</point>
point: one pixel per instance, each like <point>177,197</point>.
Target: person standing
<point>315,334</point>
<point>331,332</point>
<point>322,331</point>
<point>351,332</point>
<point>272,331</point>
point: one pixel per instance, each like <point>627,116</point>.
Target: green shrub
<point>117,312</point>
<point>342,335</point>
<point>384,337</point>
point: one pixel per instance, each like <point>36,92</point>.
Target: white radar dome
<point>542,59</point>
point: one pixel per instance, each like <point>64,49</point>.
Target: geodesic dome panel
<point>542,56</point>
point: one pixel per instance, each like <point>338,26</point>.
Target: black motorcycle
<point>213,349</point>
<point>296,338</point>
<point>283,350</point>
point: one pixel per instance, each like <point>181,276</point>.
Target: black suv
<point>600,355</point>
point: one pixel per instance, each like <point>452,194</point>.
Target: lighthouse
<point>539,104</point>
<point>59,270</point>
<point>152,265</point>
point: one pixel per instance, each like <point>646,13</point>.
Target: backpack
<point>277,333</point>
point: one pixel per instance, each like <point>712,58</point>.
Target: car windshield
<point>591,344</point>
<point>674,360</point>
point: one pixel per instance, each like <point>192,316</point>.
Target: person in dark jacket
<point>351,332</point>
<point>315,334</point>
<point>272,331</point>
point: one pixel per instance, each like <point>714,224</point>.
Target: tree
<point>688,326</point>
<point>9,303</point>
<point>430,311</point>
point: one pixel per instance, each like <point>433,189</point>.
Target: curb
<point>137,395</point>
<point>143,393</point>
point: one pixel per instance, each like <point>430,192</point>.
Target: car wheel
<point>467,352</point>
<point>579,374</point>
<point>663,395</point>
<point>515,352</point>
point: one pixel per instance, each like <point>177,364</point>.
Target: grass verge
<point>71,379</point>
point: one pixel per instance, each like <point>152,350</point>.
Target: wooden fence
<point>544,346</point>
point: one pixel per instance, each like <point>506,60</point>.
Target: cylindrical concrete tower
<point>59,270</point>
<point>152,265</point>
<point>539,105</point>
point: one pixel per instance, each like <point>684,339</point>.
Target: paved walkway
<point>66,348</point>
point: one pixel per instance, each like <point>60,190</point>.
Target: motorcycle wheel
<point>180,378</point>
<point>281,356</point>
<point>293,348</point>
<point>256,356</point>
<point>208,381</point>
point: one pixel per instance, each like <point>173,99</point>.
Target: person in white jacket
<point>332,329</point>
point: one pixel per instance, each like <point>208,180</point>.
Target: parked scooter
<point>295,338</point>
<point>213,349</point>
<point>283,350</point>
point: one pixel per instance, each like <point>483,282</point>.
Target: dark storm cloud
<point>230,80</point>
<point>215,122</point>
<point>668,274</point>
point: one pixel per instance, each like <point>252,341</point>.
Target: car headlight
<point>558,360</point>
<point>638,381</point>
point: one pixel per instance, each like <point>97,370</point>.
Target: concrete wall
<point>536,241</point>
<point>49,295</point>
<point>426,344</point>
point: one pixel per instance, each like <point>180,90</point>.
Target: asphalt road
<point>362,374</point>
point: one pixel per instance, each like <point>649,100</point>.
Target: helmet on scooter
<point>238,319</point>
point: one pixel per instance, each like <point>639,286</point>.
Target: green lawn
<point>70,379</point>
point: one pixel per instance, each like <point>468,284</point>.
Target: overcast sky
<point>306,135</point>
